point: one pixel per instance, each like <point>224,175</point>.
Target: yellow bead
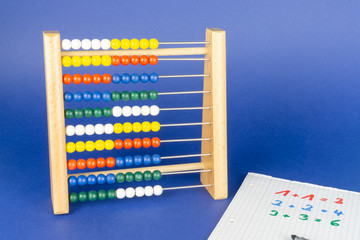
<point>125,43</point>
<point>153,43</point>
<point>146,126</point>
<point>80,146</point>
<point>96,60</point>
<point>109,144</point>
<point>137,127</point>
<point>89,146</point>
<point>127,127</point>
<point>99,145</point>
<point>86,61</point>
<point>106,60</point>
<point>115,43</point>
<point>144,43</point>
<point>134,43</point>
<point>118,128</point>
<point>76,61</point>
<point>155,126</point>
<point>70,147</point>
<point>66,61</point>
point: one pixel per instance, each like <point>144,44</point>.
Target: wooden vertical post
<point>216,83</point>
<point>56,122</point>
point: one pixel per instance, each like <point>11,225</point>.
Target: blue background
<point>293,106</point>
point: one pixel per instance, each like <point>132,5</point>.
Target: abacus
<point>121,52</point>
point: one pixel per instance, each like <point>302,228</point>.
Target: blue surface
<point>293,101</point>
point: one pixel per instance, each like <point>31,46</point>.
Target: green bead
<point>135,95</point>
<point>107,112</point>
<point>92,195</point>
<point>111,194</point>
<point>98,112</point>
<point>153,95</point>
<point>69,113</point>
<point>73,197</point>
<point>144,95</point>
<point>120,177</point>
<point>82,196</point>
<point>156,175</point>
<point>125,95</point>
<point>79,113</point>
<point>147,176</point>
<point>102,194</point>
<point>88,112</point>
<point>115,96</point>
<point>129,177</point>
<point>138,176</point>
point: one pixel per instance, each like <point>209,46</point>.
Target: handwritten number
<point>339,201</point>
<point>309,207</point>
<point>274,213</point>
<point>285,193</point>
<point>278,203</point>
<point>338,213</point>
<point>304,217</point>
<point>335,223</point>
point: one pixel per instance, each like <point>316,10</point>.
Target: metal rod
<point>185,172</point>
<point>189,75</point>
<point>185,140</point>
<point>184,187</point>
<point>184,124</point>
<point>183,59</point>
<point>187,156</point>
<point>185,108</point>
<point>188,92</point>
<point>173,43</point>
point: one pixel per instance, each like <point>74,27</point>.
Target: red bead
<point>77,78</point>
<point>146,142</point>
<point>115,60</point>
<point>97,78</point>
<point>100,162</point>
<point>71,164</point>
<point>110,162</point>
<point>135,60</point>
<point>81,164</point>
<point>67,79</point>
<point>153,60</point>
<point>125,60</point>
<point>137,143</point>
<point>118,144</point>
<point>144,60</point>
<point>87,78</point>
<point>128,143</point>
<point>91,163</point>
<point>155,142</point>
<point>107,78</point>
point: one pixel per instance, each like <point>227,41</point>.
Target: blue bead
<point>125,78</point>
<point>87,96</point>
<point>110,178</point>
<point>154,78</point>
<point>82,180</point>
<point>120,162</point>
<point>68,97</point>
<point>129,161</point>
<point>72,181</point>
<point>96,96</point>
<point>116,78</point>
<point>91,179</point>
<point>156,159</point>
<point>77,97</point>
<point>106,96</point>
<point>101,179</point>
<point>138,160</point>
<point>147,159</point>
<point>144,77</point>
<point>135,78</point>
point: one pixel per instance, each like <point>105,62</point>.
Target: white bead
<point>154,110</point>
<point>105,44</point>
<point>75,44</point>
<point>66,44</point>
<point>145,110</point>
<point>99,129</point>
<point>120,193</point>
<point>95,44</point>
<point>158,190</point>
<point>86,44</point>
<point>130,192</point>
<point>126,111</point>
<point>79,130</point>
<point>139,191</point>
<point>149,191</point>
<point>89,129</point>
<point>135,111</point>
<point>70,130</point>
<point>109,128</point>
<point>116,111</point>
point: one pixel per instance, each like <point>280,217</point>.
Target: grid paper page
<point>267,208</point>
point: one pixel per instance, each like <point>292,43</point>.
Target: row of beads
<point>111,178</point>
<point>120,193</point>
<point>100,145</point>
<point>127,161</point>
<point>109,128</point>
<point>114,96</point>
<point>116,111</point>
<point>107,78</point>
<point>106,60</point>
<point>106,44</point>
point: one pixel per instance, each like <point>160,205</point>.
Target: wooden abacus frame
<point>215,82</point>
